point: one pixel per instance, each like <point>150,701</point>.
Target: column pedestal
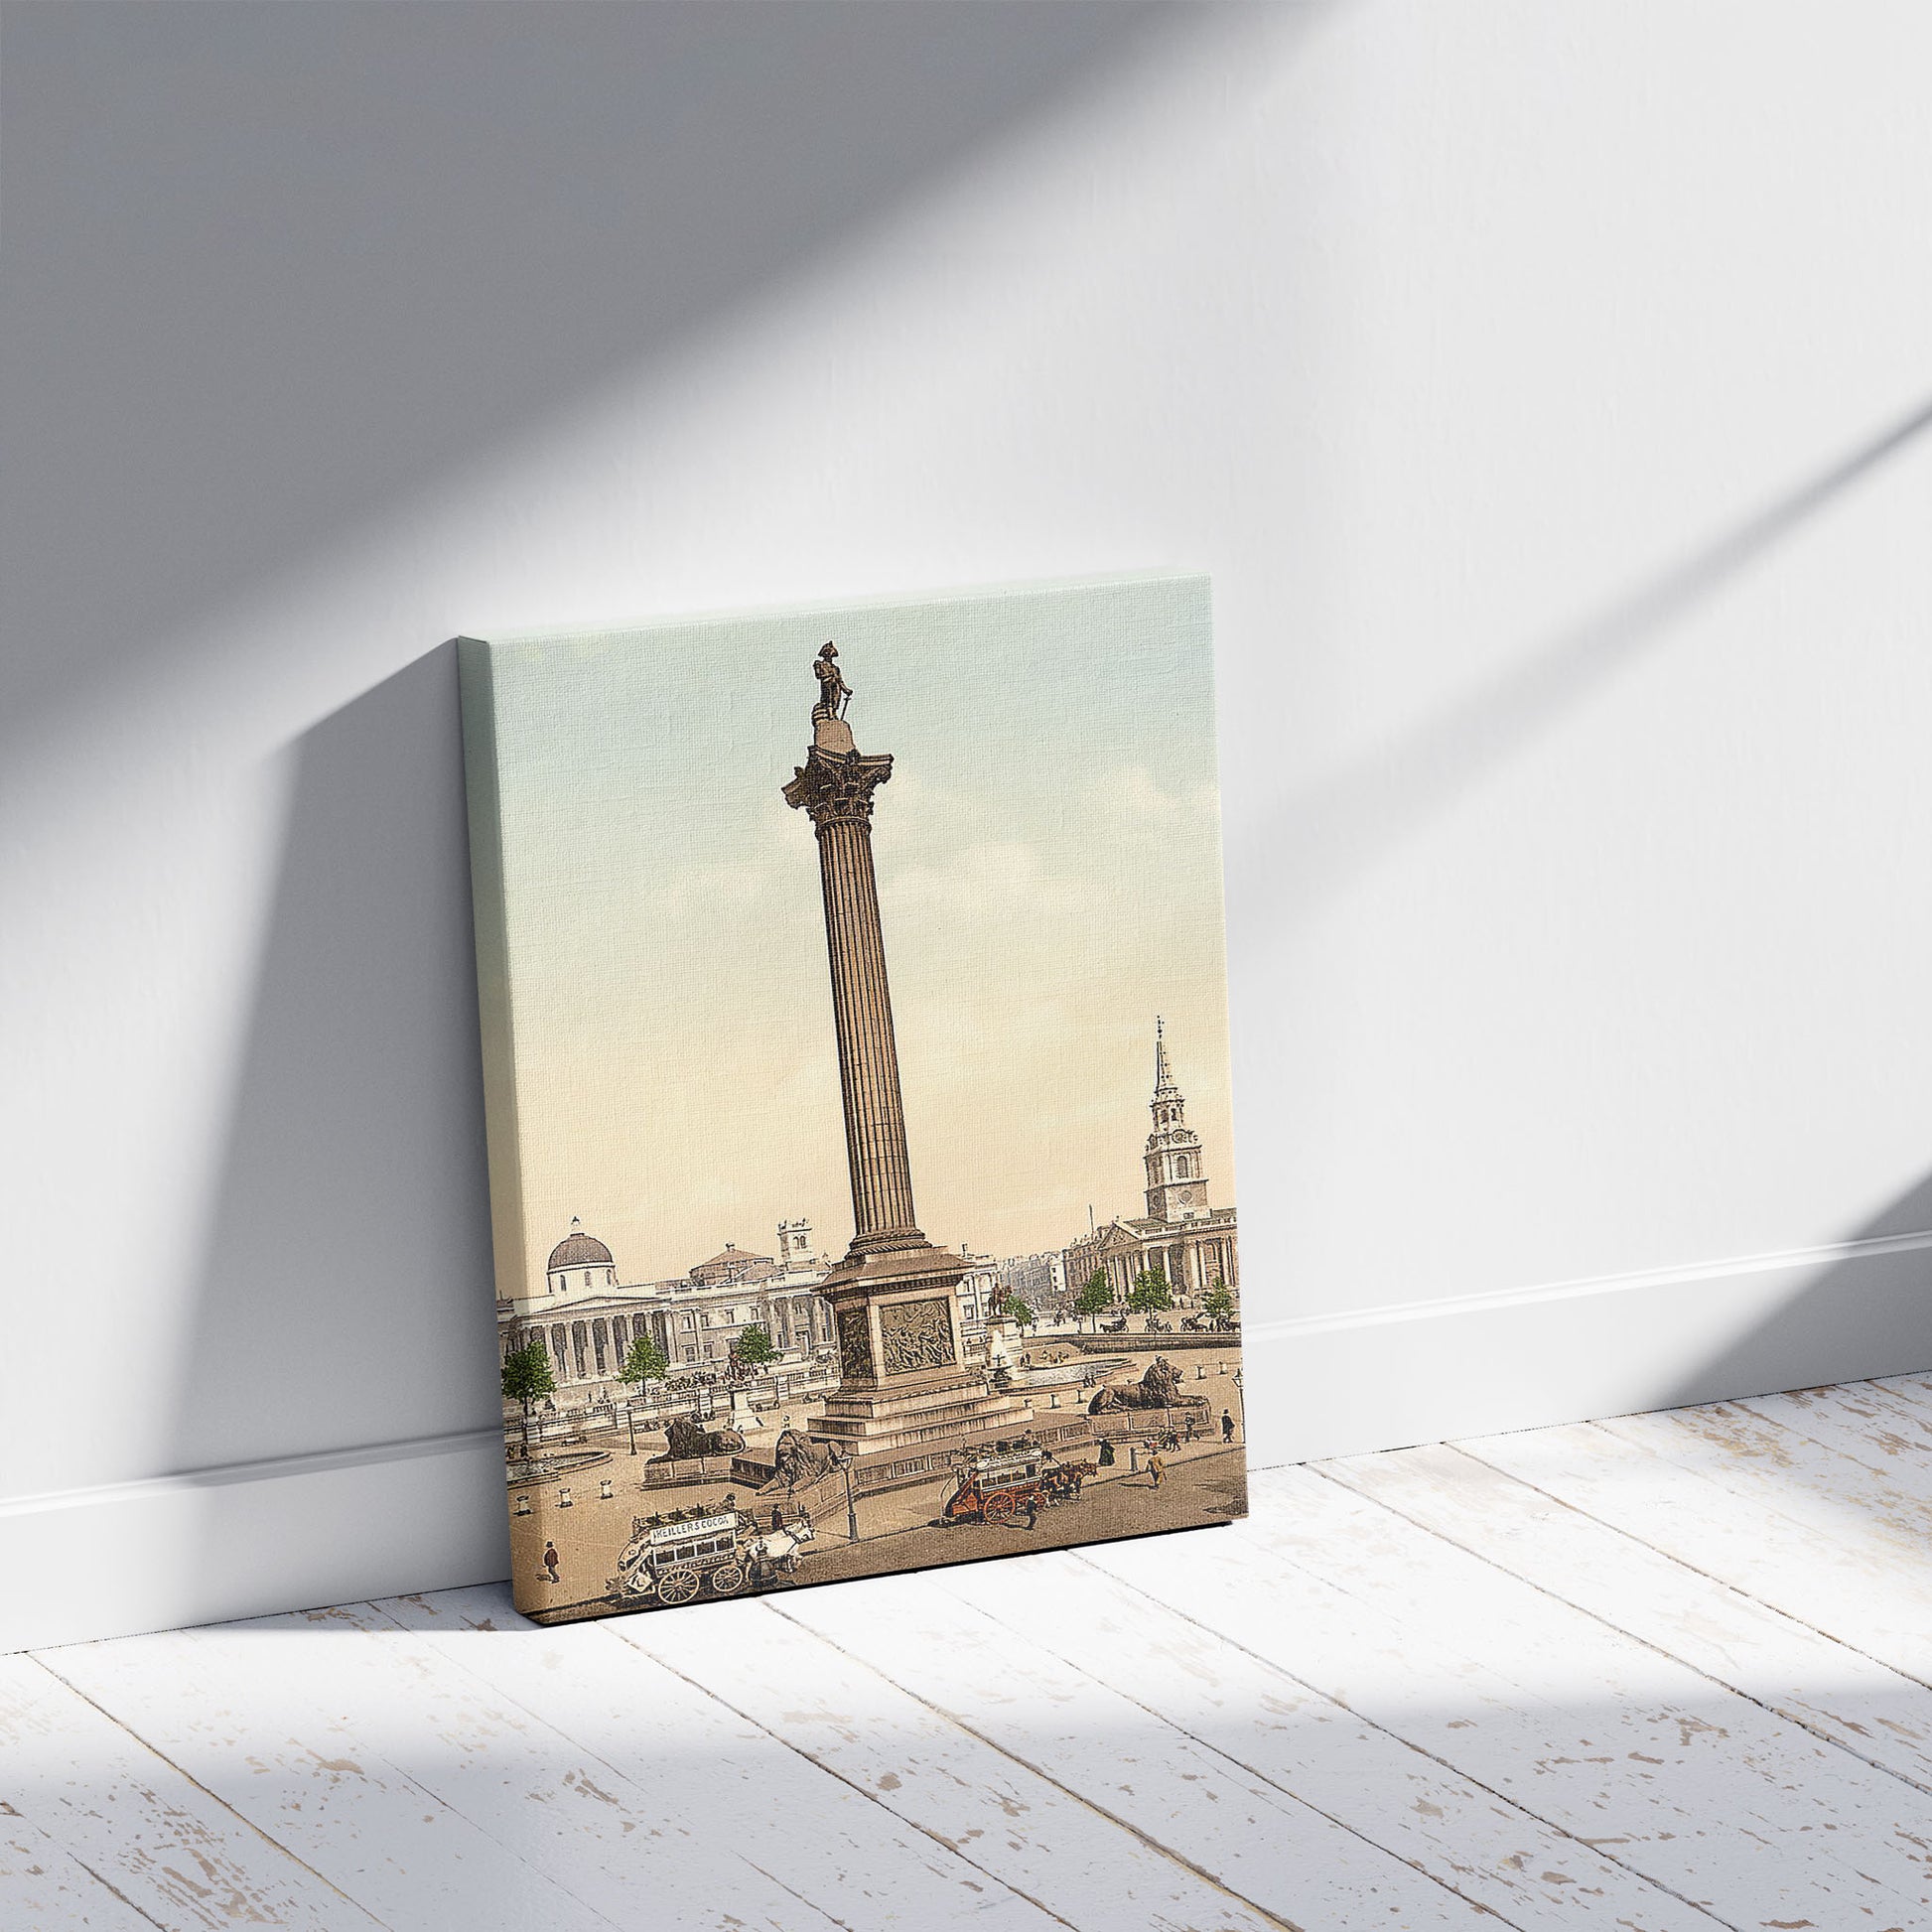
<point>906,1389</point>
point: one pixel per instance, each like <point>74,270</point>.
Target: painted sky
<point>1048,861</point>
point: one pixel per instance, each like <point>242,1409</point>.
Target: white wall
<point>1543,386</point>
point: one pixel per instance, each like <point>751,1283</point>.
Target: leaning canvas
<point>856,1071</point>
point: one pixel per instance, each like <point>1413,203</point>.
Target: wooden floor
<point>1666,1673</point>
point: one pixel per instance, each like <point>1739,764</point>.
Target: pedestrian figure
<point>1156,1470</point>
<point>777,1517</point>
<point>550,1560</point>
<point>1032,1509</point>
<point>1227,1426</point>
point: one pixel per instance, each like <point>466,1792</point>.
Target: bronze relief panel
<point>854,1344</point>
<point>916,1334</point>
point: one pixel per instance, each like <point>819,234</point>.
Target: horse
<point>777,1550</point>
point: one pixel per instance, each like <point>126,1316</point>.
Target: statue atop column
<point>833,692</point>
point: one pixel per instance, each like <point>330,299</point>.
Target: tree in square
<point>528,1380</point>
<point>645,1364</point>
<point>1094,1300</point>
<point>752,1351</point>
<point>1151,1293</point>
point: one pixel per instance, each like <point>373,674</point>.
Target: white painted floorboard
<point>1666,1672</point>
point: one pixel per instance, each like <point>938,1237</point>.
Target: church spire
<point>1163,1086</point>
<point>1175,1189</point>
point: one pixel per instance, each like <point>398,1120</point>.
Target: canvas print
<point>856,1069</point>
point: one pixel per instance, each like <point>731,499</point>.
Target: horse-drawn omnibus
<point>720,1552</point>
<point>672,1562</point>
<point>998,1486</point>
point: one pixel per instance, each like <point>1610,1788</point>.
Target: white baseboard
<point>1567,1351</point>
<point>429,1514</point>
<point>251,1539</point>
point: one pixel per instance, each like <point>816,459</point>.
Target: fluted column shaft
<point>883,1214</point>
<point>834,788</point>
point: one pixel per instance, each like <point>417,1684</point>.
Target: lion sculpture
<point>688,1439</point>
<point>1158,1388</point>
<point>797,1461</point>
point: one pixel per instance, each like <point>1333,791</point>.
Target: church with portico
<point>1183,1236</point>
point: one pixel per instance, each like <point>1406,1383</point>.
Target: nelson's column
<point>904,1390</point>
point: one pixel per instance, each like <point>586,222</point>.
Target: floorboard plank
<point>44,1888</point>
<point>1836,1693</point>
<point>1701,1791</point>
<point>841,1851</point>
<point>1280,1728</point>
<point>1779,1466</point>
<point>1046,1842</point>
<point>312,1737</point>
<point>1877,1534</point>
<point>161,1840</point>
<point>1263,1845</point>
<point>1767,1543</point>
<point>1913,1389</point>
<point>1884,1433</point>
<point>534,1790</point>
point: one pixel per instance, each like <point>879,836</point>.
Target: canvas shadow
<point>344,1287</point>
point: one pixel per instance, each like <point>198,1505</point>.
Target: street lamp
<point>851,1508</point>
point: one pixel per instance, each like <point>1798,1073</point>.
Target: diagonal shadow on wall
<point>1333,829</point>
<point>271,268</point>
<point>1866,1313</point>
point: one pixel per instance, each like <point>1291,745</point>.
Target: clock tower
<point>1175,1189</point>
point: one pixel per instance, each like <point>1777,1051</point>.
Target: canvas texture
<point>856,1069</point>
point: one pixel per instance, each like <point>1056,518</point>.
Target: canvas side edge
<point>477,684</point>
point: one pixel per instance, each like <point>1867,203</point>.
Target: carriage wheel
<point>678,1587</point>
<point>1000,1509</point>
<point>726,1578</point>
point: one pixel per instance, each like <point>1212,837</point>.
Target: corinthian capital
<point>836,788</point>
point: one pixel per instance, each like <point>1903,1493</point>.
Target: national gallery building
<point>588,1319</point>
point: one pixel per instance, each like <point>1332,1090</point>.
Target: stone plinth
<point>904,1384</point>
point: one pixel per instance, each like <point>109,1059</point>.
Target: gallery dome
<point>578,1250</point>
